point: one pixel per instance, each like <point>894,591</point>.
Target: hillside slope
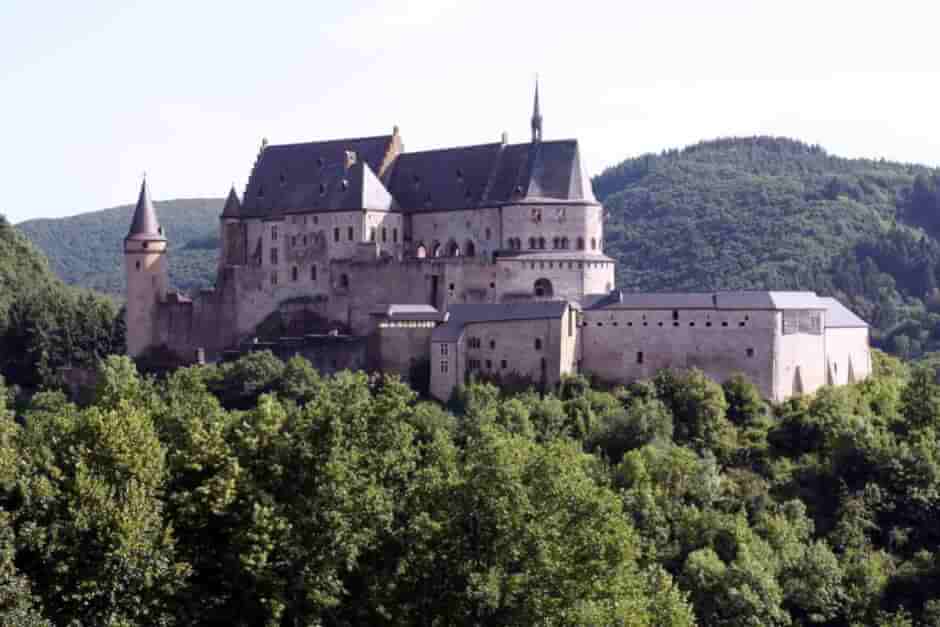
<point>775,213</point>
<point>85,250</point>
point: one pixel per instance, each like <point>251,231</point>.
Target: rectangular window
<point>750,352</point>
<point>489,364</point>
<point>274,278</point>
<point>639,357</point>
<point>349,233</point>
<point>372,234</point>
<point>316,220</point>
<point>444,366</point>
<point>313,273</point>
<point>274,232</point>
<point>802,321</point>
<point>274,256</point>
<point>394,236</point>
<point>444,350</point>
<point>384,235</point>
<point>336,234</point>
<point>503,364</point>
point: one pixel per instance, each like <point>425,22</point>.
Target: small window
<point>750,352</point>
<point>294,273</point>
<point>444,366</point>
<point>349,233</point>
<point>274,256</point>
<point>724,323</point>
<point>675,314</point>
<point>372,234</point>
<point>274,278</point>
<point>492,344</point>
<point>639,357</point>
<point>538,344</point>
<point>293,241</point>
<point>394,236</point>
<point>313,273</point>
<point>336,234</point>
<point>322,189</point>
<point>492,285</point>
<point>344,281</point>
<point>316,220</point>
<point>487,233</point>
<point>444,349</point>
<point>305,240</point>
<point>489,364</point>
<point>146,244</point>
<point>580,243</point>
<point>593,243</point>
<point>137,265</point>
<point>503,364</point>
<point>274,233</point>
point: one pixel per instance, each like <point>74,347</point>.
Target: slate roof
<point>458,316</point>
<point>840,316</point>
<point>490,174</point>
<point>712,300</point>
<point>233,207</point>
<point>558,255</point>
<point>285,176</point>
<point>144,225</point>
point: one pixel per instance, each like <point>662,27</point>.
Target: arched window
<point>532,242</point>
<point>421,252</point>
<point>580,243</point>
<point>436,249</point>
<point>541,243</point>
<point>470,249</point>
<point>556,242</point>
<point>543,288</point>
<point>593,243</point>
<point>453,250</point>
<point>564,243</point>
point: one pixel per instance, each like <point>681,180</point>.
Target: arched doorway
<point>543,288</point>
<point>421,252</point>
<point>453,250</point>
<point>470,250</point>
<point>436,249</point>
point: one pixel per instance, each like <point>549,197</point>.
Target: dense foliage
<point>48,330</point>
<point>772,213</point>
<point>85,250</point>
<point>259,493</point>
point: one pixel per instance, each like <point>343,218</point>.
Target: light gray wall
<point>844,345</point>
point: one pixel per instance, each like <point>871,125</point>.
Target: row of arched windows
<point>558,243</point>
<point>451,249</point>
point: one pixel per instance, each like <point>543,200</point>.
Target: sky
<point>93,94</point>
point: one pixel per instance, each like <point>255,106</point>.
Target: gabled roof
<point>233,207</point>
<point>712,300</point>
<point>287,176</point>
<point>144,225</point>
<point>340,189</point>
<point>840,316</point>
<point>458,316</point>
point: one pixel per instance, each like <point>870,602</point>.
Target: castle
<point>485,258</point>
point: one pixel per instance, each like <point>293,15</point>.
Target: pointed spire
<point>144,225</point>
<point>233,207</point>
<point>536,116</point>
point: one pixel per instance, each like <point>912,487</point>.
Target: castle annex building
<point>483,258</point>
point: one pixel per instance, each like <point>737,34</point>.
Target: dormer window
<point>319,162</point>
<point>344,185</point>
<point>322,189</point>
<point>261,191</point>
<point>416,180</point>
<point>459,175</point>
<point>283,179</point>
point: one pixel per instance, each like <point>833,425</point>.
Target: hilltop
<point>737,213</point>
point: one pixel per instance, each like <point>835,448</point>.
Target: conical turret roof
<point>144,225</point>
<point>233,206</point>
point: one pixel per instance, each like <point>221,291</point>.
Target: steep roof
<point>840,316</point>
<point>711,300</point>
<point>490,174</point>
<point>287,176</point>
<point>233,207</point>
<point>144,225</point>
<point>458,316</point>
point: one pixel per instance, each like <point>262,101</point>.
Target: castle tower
<point>145,265</point>
<point>232,233</point>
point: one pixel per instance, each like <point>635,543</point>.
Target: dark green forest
<point>257,492</point>
<point>86,250</point>
<point>744,213</point>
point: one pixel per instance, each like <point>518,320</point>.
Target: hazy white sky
<point>92,94</point>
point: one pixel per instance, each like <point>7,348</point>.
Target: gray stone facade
<point>456,251</point>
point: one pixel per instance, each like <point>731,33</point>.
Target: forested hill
<point>768,212</point>
<point>85,249</point>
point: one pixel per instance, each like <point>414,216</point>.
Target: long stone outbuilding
<point>481,259</point>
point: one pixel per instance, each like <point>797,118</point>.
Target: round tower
<point>145,265</point>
